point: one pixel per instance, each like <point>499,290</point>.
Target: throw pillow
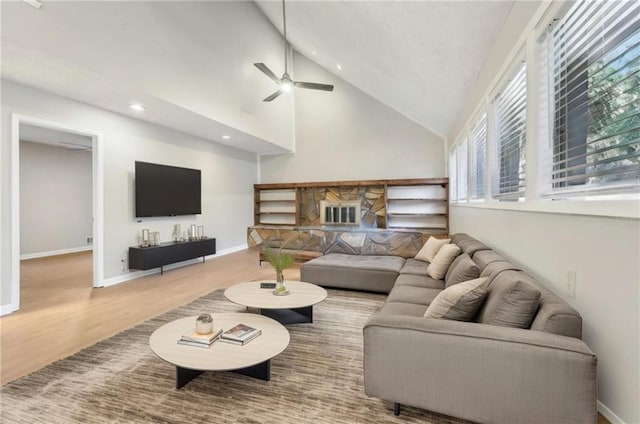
<point>511,302</point>
<point>462,269</point>
<point>440,264</point>
<point>459,302</point>
<point>431,248</point>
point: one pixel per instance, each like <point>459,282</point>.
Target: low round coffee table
<point>253,359</point>
<point>295,308</point>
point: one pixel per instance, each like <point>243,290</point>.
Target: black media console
<point>169,253</point>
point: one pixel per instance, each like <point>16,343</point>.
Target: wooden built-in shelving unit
<point>415,204</point>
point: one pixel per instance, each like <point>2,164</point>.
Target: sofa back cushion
<point>459,302</point>
<point>462,269</point>
<point>482,258</point>
<point>468,244</point>
<point>512,301</point>
<point>440,265</point>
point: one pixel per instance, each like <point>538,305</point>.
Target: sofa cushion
<point>401,308</point>
<point>462,269</point>
<point>511,302</point>
<point>459,302</point>
<point>412,294</point>
<point>468,244</point>
<point>493,269</point>
<point>414,266</point>
<point>484,257</point>
<point>423,281</point>
<point>440,264</point>
<point>431,249</point>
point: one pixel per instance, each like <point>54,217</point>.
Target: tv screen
<point>163,190</point>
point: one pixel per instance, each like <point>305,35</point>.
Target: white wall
<point>228,175</point>
<point>348,135</point>
<point>603,250</point>
<point>55,198</point>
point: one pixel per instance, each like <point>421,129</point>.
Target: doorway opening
<point>56,197</point>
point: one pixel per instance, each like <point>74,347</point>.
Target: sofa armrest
<point>479,372</point>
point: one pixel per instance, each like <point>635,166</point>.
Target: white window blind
<point>510,108</point>
<point>462,153</point>
<point>594,52</point>
<point>478,157</point>
<point>453,169</point>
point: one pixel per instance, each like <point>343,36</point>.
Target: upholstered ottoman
<point>360,272</point>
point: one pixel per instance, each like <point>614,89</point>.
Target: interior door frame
<point>97,155</point>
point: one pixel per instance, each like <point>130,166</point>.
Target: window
<point>510,108</point>
<point>453,169</point>
<point>462,154</point>
<point>594,58</point>
<point>478,157</point>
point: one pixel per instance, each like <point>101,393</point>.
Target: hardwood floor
<point>61,313</point>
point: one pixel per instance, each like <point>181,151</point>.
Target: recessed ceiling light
<point>313,52</point>
<point>137,107</point>
<point>339,67</point>
<point>226,137</point>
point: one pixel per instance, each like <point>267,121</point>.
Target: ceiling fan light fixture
<point>286,84</point>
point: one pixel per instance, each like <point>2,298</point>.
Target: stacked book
<point>241,334</point>
<point>193,338</point>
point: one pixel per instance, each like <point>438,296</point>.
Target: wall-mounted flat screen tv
<point>163,190</point>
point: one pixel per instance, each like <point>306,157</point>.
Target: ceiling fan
<point>286,83</point>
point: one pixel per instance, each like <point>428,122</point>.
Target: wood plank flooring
<point>61,313</point>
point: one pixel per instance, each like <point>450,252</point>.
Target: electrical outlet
<point>89,240</point>
<point>571,284</point>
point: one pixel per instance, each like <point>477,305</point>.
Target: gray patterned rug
<point>317,379</point>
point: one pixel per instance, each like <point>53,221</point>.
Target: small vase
<point>280,289</point>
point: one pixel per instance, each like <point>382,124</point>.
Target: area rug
<point>317,379</point>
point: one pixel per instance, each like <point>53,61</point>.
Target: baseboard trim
<point>608,414</point>
<point>139,274</point>
<point>55,252</point>
<point>7,309</point>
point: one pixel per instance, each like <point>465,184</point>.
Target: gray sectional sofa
<point>485,370</point>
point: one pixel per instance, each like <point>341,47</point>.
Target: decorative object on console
<point>200,232</point>
<point>192,232</point>
<point>204,324</point>
<point>155,239</point>
<point>145,238</point>
<point>177,232</point>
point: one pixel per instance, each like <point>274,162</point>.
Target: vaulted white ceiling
<point>191,61</point>
<point>418,57</point>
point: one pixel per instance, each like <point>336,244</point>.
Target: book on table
<point>240,334</point>
<point>193,338</point>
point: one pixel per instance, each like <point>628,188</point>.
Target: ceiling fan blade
<point>267,71</point>
<point>273,96</point>
<point>313,86</point>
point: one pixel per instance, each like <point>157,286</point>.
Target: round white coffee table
<point>295,308</point>
<point>253,359</point>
